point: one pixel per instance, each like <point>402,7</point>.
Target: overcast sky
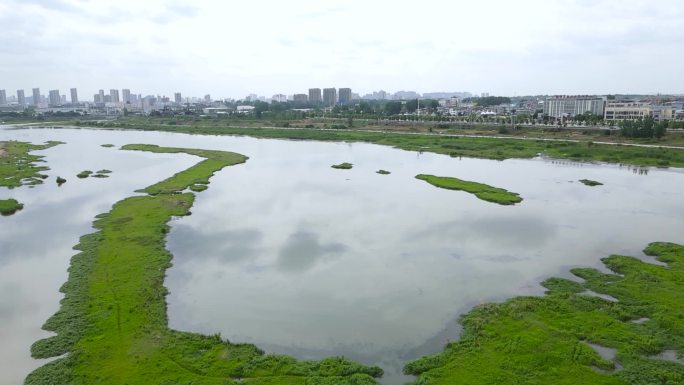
<point>233,48</point>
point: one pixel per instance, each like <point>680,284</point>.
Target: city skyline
<point>560,47</point>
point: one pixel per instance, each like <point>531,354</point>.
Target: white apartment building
<point>560,106</point>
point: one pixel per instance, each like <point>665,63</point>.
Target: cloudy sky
<point>233,48</point>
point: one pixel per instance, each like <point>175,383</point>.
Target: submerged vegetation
<point>18,167</point>
<point>480,190</point>
<point>60,181</point>
<point>113,322</point>
<point>383,172</point>
<point>9,206</point>
<point>546,340</point>
<point>107,145</point>
<point>589,182</point>
<point>343,166</point>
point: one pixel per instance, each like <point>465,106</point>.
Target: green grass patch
<point>197,174</point>
<point>343,166</point>
<point>589,182</point>
<point>113,322</point>
<point>480,190</point>
<point>9,206</point>
<point>543,340</point>
<point>383,172</point>
<point>84,174</point>
<point>20,168</point>
<point>104,171</point>
<point>100,176</point>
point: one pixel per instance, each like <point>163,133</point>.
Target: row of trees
<point>489,101</point>
<point>643,128</point>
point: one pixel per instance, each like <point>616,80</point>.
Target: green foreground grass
<point>480,190</point>
<point>475,147</point>
<point>543,340</point>
<point>113,323</point>
<point>9,206</point>
<point>18,167</point>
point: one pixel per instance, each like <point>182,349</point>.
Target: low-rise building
<point>626,110</point>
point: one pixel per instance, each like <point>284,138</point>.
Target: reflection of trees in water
<point>636,169</point>
<point>568,163</point>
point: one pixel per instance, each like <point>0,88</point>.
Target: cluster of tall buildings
<point>55,99</point>
<point>328,96</point>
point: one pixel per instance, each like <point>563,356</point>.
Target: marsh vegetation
<point>480,190</point>
<point>343,166</point>
<point>113,320</point>
<point>591,183</point>
<point>9,206</point>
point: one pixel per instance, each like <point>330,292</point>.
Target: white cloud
<point>268,47</point>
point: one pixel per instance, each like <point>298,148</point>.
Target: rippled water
<point>299,258</point>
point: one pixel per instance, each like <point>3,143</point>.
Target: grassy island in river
<point>480,190</point>
<point>18,167</point>
<point>9,206</point>
<point>343,166</point>
<point>112,324</point>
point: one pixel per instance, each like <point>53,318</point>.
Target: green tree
<point>659,130</point>
<point>393,108</point>
<point>411,106</point>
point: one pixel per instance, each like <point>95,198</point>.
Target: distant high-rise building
<point>3,98</point>
<point>36,96</point>
<point>207,98</point>
<point>21,99</point>
<point>345,95</point>
<point>300,98</point>
<point>63,99</point>
<point>559,106</point>
<point>114,95</point>
<point>74,96</point>
<point>97,98</point>
<point>108,98</point>
<point>126,94</point>
<point>54,99</point>
<point>177,98</point>
<point>102,96</point>
<point>279,98</point>
<point>329,96</point>
<point>315,95</point>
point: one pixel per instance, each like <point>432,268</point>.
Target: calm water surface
<point>299,258</point>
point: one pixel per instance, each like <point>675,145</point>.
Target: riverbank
<point>490,146</point>
<point>112,324</point>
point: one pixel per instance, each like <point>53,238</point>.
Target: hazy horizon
<point>232,50</point>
